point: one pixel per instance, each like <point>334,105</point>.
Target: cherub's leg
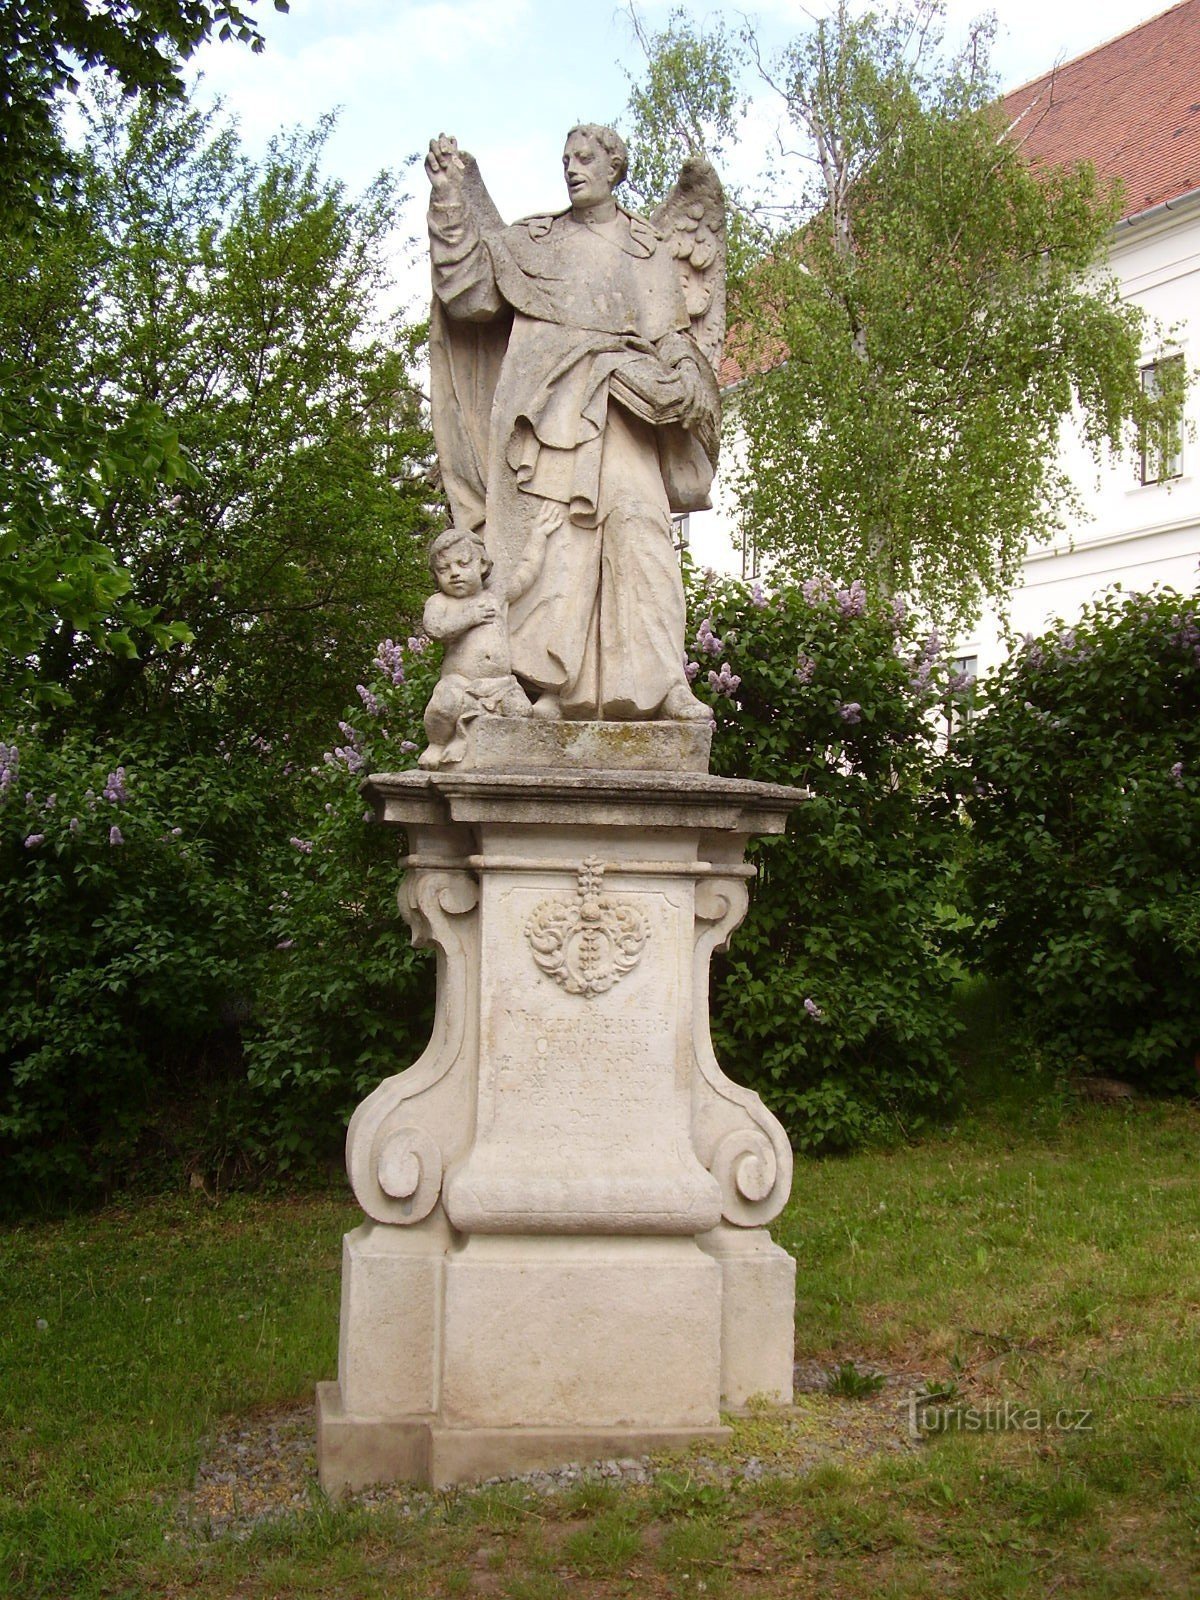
<point>441,719</point>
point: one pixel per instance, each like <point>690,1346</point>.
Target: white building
<point>1132,108</point>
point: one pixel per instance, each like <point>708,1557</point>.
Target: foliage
<point>129,911</point>
<point>45,44</point>
<point>236,302</point>
<point>833,1000</point>
<point>1083,793</point>
<point>345,1001</point>
<point>921,322</point>
<point>214,501</point>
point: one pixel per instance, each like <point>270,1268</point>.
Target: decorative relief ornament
<point>587,943</point>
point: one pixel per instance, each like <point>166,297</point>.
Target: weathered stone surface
<point>569,1196</point>
<point>575,410</point>
<point>506,744</point>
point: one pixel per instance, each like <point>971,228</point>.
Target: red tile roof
<point>1131,107</point>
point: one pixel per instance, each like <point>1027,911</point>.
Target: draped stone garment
<point>532,327</point>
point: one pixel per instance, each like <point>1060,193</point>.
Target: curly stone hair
<point>451,536</point>
<point>610,141</point>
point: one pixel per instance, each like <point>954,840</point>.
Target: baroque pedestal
<point>565,1255</point>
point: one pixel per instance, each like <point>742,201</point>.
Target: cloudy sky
<point>508,77</point>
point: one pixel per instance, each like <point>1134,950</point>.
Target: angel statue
<point>572,361</point>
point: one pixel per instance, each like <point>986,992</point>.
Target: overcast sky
<point>508,77</point>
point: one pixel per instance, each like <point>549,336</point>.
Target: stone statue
<point>572,362</point>
<point>470,614</point>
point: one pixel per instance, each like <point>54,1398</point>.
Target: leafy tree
<point>922,317</point>
<point>235,303</point>
<point>213,508</point>
<point>46,44</point>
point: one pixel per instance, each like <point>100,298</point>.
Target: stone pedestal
<point>566,1255</point>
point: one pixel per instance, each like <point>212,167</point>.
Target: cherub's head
<point>595,161</point>
<point>459,562</point>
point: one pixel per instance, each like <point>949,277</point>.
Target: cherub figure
<point>470,616</point>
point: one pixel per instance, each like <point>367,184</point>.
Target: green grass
<point>1040,1253</point>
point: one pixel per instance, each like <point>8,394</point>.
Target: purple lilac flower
<point>9,766</point>
<point>850,711</point>
<point>813,1010</point>
<point>1177,773</point>
<point>348,755</point>
<point>707,642</point>
<point>1033,651</point>
<point>805,667</point>
<point>263,746</point>
<point>49,803</point>
<point>389,658</point>
<point>922,665</point>
<point>852,602</point>
<point>725,681</point>
<point>691,671</point>
<point>368,816</point>
<point>303,845</point>
<point>345,755</point>
<point>757,598</point>
<point>285,944</point>
<point>115,791</point>
<point>817,589</point>
<point>418,644</point>
<point>372,702</point>
<point>899,609</point>
<point>1187,634</point>
<point>959,682</point>
<point>115,837</point>
<point>32,840</point>
<point>408,746</point>
<point>73,825</point>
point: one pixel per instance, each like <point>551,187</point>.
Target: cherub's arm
<point>547,520</point>
<point>446,617</point>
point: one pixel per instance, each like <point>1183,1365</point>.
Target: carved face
<point>460,569</point>
<point>589,171</point>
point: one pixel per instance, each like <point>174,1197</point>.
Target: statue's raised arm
<point>573,359</point>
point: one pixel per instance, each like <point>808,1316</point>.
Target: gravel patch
<point>261,1468</point>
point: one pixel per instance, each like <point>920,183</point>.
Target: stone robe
<point>537,329</point>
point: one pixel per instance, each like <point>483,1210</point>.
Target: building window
<point>681,533</point>
<point>1162,436</point>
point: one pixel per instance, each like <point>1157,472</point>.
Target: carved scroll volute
<point>740,1142</point>
<point>402,1135</point>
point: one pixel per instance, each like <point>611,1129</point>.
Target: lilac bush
<point>833,998</point>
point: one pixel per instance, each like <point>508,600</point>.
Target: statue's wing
<point>465,360</point>
<point>693,219</point>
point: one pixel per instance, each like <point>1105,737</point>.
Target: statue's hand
<point>693,393</point>
<point>445,168</point>
<point>486,609</point>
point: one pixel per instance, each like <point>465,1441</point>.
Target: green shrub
<point>345,1000</point>
<point>129,943</point>
<point>833,1000</point>
<point>1084,798</point>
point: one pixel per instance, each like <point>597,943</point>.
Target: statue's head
<point>595,161</point>
<point>459,561</point>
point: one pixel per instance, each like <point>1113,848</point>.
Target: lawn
<point>1037,1267</point>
